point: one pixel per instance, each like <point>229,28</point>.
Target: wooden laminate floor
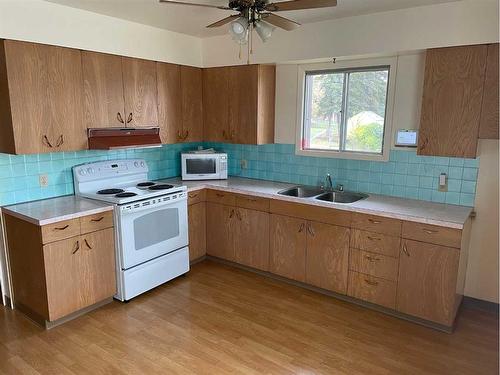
<point>222,320</point>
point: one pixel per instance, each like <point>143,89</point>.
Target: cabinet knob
<point>46,141</point>
<point>87,244</point>
<point>60,140</point>
<point>120,118</point>
<point>77,247</point>
<point>405,250</point>
<point>129,119</point>
<point>310,229</point>
<point>301,228</point>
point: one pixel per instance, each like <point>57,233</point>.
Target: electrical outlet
<point>43,179</point>
<point>443,182</point>
<point>244,164</point>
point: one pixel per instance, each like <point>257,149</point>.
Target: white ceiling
<point>192,20</point>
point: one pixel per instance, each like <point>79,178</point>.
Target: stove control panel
<point>109,168</point>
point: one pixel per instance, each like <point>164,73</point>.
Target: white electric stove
<point>151,227</point>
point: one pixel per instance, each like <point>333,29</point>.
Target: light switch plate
<point>43,180</point>
<point>243,164</point>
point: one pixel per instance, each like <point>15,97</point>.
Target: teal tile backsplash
<point>404,175</point>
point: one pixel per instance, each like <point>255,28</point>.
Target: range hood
<point>119,138</point>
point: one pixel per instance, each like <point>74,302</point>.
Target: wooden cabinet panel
<point>314,213</point>
<point>197,196</point>
<point>140,92</point>
<point>372,289</point>
<point>192,104</point>
<point>216,104</point>
<point>252,202</point>
<point>45,86</point>
<point>60,230</point>
<point>92,223</point>
<point>197,230</point>
<point>243,85</point>
<point>169,102</point>
<point>327,257</point>
<point>288,247</point>
<point>375,242</point>
<point>220,231</point>
<point>251,238</point>
<point>376,224</point>
<point>266,104</point>
<point>98,278</point>
<point>452,98</point>
<point>374,264</point>
<point>432,234</point>
<point>221,197</point>
<point>488,127</point>
<point>427,281</point>
<point>103,90</point>
<point>64,270</point>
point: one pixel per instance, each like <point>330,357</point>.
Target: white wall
<point>464,22</point>
<point>43,22</point>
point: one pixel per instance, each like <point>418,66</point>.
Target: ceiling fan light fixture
<point>264,30</point>
<point>239,30</point>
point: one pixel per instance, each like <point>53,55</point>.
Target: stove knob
<point>136,164</point>
<point>90,170</point>
<point>82,172</point>
<point>142,164</point>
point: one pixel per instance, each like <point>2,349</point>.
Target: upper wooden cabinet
<point>40,98</point>
<point>242,99</point>
<point>180,106</point>
<point>452,100</point>
<point>488,127</point>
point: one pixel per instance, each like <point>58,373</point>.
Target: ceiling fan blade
<point>224,21</point>
<point>300,4</point>
<point>194,4</point>
<point>280,22</point>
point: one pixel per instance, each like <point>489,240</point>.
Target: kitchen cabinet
<point>41,98</point>
<point>242,98</point>
<point>427,281</point>
<point>220,231</point>
<point>197,224</point>
<point>180,106</point>
<point>452,100</point>
<point>61,268</point>
<point>140,92</point>
<point>488,126</point>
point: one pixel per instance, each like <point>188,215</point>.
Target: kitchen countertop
<point>48,211</point>
<point>446,215</point>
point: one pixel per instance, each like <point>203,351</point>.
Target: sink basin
<point>302,191</point>
<point>341,197</point>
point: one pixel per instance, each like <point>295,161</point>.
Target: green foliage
<point>366,137</point>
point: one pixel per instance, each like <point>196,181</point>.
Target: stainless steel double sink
<point>314,192</point>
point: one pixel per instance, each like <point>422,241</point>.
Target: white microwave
<point>204,166</point>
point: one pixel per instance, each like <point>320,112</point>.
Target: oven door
<point>151,230</point>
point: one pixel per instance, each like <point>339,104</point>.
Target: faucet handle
<point>340,187</point>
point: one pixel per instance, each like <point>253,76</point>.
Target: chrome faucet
<point>329,184</point>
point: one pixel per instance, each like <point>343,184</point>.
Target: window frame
<point>343,66</point>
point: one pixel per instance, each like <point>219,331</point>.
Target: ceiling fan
<point>258,15</point>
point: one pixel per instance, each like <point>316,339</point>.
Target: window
<point>345,112</point>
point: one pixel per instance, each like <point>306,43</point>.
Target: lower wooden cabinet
<point>427,281</point>
<point>197,230</point>
<point>219,231</point>
<point>372,289</point>
<point>327,256</point>
<point>251,238</point>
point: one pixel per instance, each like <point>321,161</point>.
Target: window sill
<point>343,155</point>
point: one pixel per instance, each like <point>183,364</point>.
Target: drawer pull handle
<point>97,220</point>
<point>372,259</point>
<point>87,243</point>
<point>310,229</point>
<point>220,195</point>
<point>231,214</point>
<point>369,282</point>
<point>251,199</point>
<point>62,228</point>
<point>405,250</point>
<point>60,141</point>
<point>429,231</point>
<point>374,221</point>
<point>77,247</point>
<point>129,119</point>
<point>193,195</point>
<point>238,214</point>
<point>301,228</point>
<point>120,118</point>
<point>373,238</point>
<point>46,141</point>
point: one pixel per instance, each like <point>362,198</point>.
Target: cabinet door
<point>216,104</point>
<point>251,238</point>
<point>192,109</point>
<point>169,102</point>
<point>140,92</point>
<point>64,264</point>
<point>488,127</point>
<point>197,230</point>
<point>243,82</point>
<point>220,231</point>
<point>103,90</point>
<point>288,247</point>
<point>427,281</point>
<point>45,84</point>
<point>451,104</point>
<point>327,258</point>
<point>98,270</point>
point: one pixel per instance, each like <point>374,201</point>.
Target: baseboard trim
<point>479,304</point>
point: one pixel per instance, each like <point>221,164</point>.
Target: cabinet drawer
<point>221,197</point>
<point>432,234</point>
<point>252,203</point>
<point>196,196</point>
<point>375,242</point>
<point>95,222</point>
<point>309,212</point>
<point>374,264</point>
<point>60,230</point>
<point>377,224</point>
<point>372,289</point>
